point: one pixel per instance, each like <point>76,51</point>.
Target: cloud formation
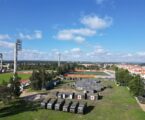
<point>95,22</point>
<point>97,54</point>
<point>4,37</point>
<point>92,24</point>
<point>34,36</point>
<point>77,35</point>
<point>6,44</point>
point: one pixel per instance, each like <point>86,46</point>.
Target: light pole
<point>1,57</point>
<point>59,55</point>
<point>17,47</point>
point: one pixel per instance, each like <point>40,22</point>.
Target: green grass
<point>91,73</point>
<point>6,76</point>
<point>117,104</point>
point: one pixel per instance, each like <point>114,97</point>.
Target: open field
<point>6,76</point>
<point>117,104</point>
<point>87,74</point>
<point>90,73</point>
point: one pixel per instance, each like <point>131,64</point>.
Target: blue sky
<point>90,30</point>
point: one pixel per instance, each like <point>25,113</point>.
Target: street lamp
<point>1,57</point>
<point>59,56</point>
<point>17,47</point>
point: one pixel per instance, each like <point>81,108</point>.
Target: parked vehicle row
<point>64,105</point>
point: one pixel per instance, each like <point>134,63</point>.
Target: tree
<point>43,77</point>
<point>122,76</point>
<point>36,83</point>
<point>40,78</point>
<point>136,86</point>
<point>15,85</point>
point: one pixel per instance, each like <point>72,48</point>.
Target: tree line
<point>37,65</point>
<point>91,67</point>
<point>133,81</point>
<point>40,78</point>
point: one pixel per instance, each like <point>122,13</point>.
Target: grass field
<point>6,76</point>
<point>117,104</point>
<point>90,73</point>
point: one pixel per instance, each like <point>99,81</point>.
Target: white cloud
<point>92,24</point>
<point>72,54</point>
<point>36,35</point>
<point>77,35</point>
<point>4,37</point>
<point>6,44</point>
<point>95,22</point>
<point>141,54</point>
<point>65,35</point>
<point>98,51</point>
<point>32,54</point>
<point>83,32</point>
<point>79,39</point>
<point>76,54</point>
<point>76,50</point>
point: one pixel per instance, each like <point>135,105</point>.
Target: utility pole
<point>59,55</point>
<point>17,47</point>
<point>1,57</point>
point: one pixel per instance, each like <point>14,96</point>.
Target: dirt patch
<point>26,93</point>
<point>141,105</point>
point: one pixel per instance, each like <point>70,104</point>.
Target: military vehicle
<point>66,106</point>
<point>51,104</point>
<point>59,104</point>
<point>44,103</point>
<point>82,108</point>
<point>74,107</point>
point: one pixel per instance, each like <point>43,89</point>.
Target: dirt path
<point>141,105</point>
<point>26,93</point>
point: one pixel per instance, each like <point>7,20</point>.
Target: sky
<point>80,30</point>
